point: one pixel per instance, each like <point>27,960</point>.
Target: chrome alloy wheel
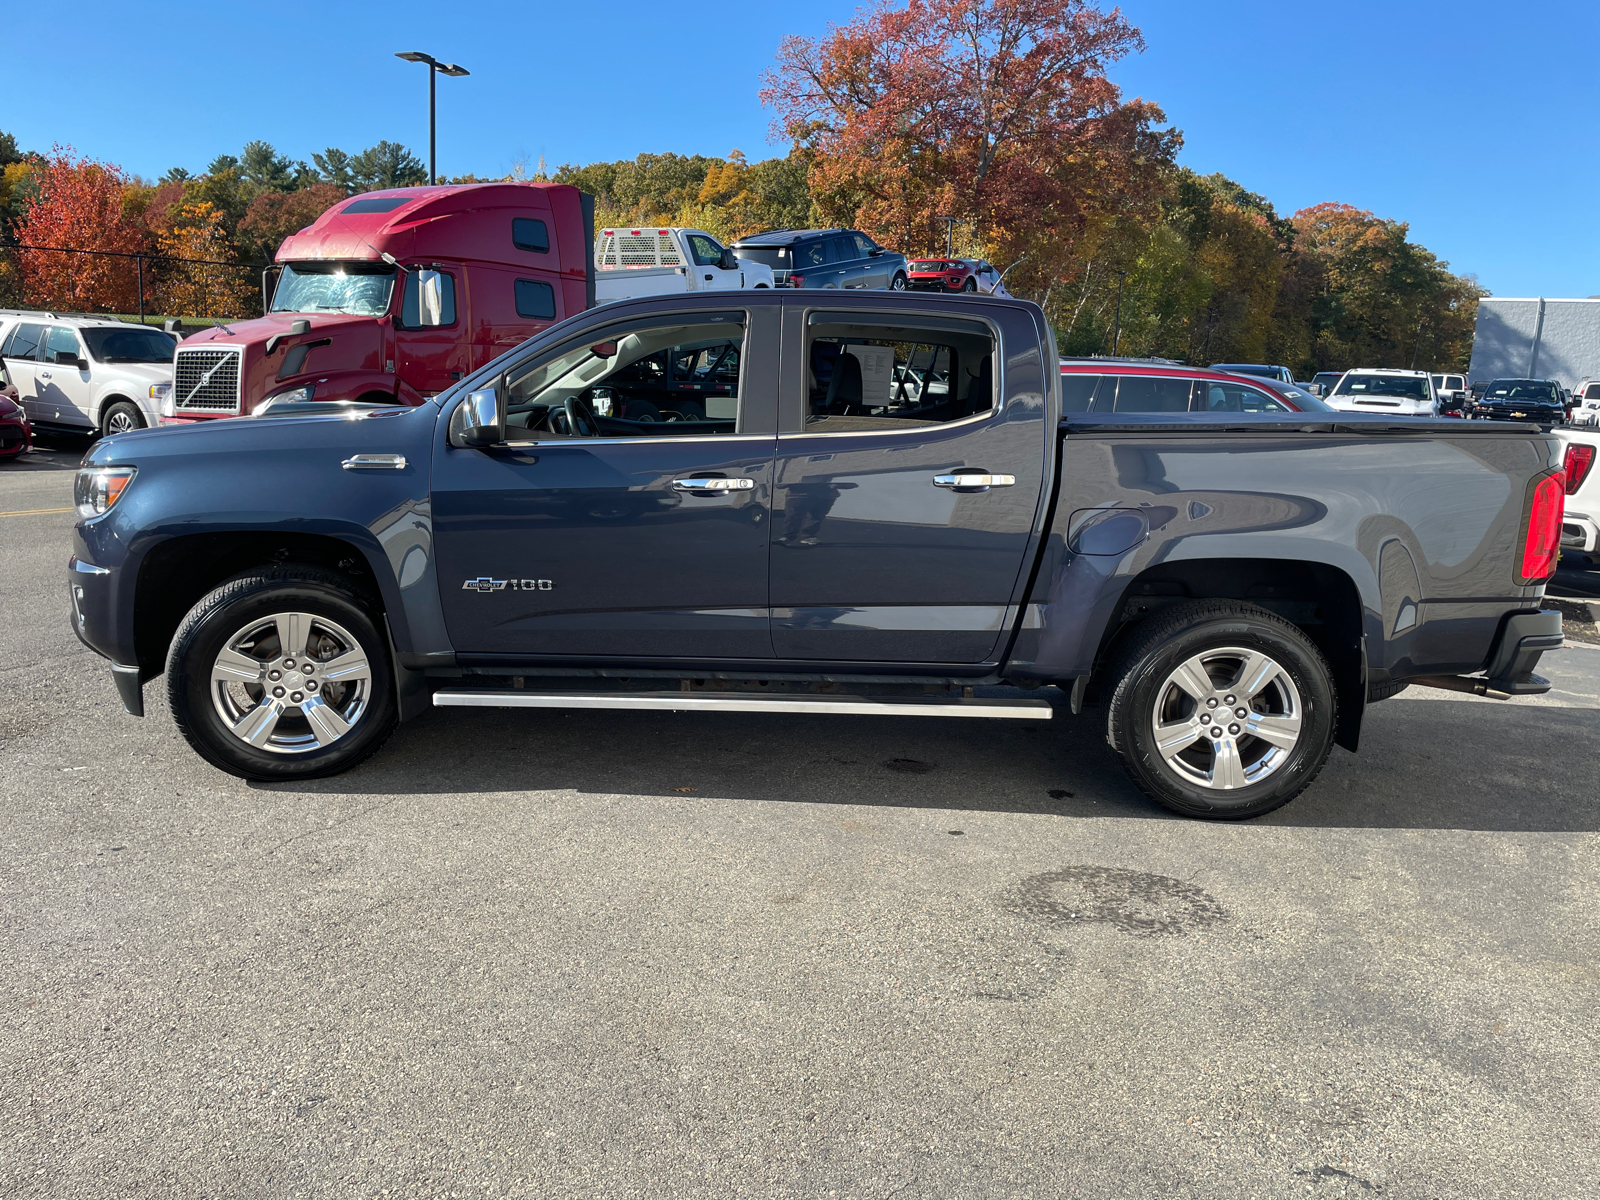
<point>291,682</point>
<point>122,421</point>
<point>1227,718</point>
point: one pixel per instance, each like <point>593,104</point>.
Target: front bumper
<point>15,439</point>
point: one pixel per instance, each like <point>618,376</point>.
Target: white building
<point>1536,339</point>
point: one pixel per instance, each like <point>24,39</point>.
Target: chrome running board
<point>917,706</point>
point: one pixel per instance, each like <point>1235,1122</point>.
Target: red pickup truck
<point>390,297</point>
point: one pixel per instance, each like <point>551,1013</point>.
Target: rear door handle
<point>973,481</point>
<point>713,485</point>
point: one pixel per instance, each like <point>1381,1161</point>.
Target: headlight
<point>297,395</point>
<point>161,397</point>
<point>98,488</point>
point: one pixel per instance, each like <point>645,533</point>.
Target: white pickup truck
<point>653,261</point>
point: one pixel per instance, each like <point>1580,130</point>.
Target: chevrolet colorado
<point>862,503</point>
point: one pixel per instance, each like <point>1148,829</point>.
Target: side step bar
<point>911,706</point>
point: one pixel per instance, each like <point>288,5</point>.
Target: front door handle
<point>713,485</point>
<point>710,278</point>
<point>44,375</point>
<point>974,481</point>
<point>375,462</point>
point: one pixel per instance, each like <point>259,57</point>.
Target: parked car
<point>16,435</point>
<point>1586,403</point>
<point>956,275</point>
<point>1261,369</point>
<point>1580,524</point>
<point>1521,400</point>
<point>1323,383</point>
<point>1381,390</point>
<point>653,261</point>
<point>1452,392</point>
<point>1170,387</point>
<point>390,297</point>
<point>92,375</point>
<point>916,503</point>
<point>825,258</point>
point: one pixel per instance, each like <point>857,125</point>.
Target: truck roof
<point>395,221</point>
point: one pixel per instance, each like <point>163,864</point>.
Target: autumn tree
<point>196,277</point>
<point>78,206</point>
<point>996,113</point>
<point>273,216</point>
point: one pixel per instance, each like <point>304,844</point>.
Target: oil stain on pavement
<point>1131,901</point>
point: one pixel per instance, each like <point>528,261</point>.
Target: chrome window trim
<point>635,441</point>
<point>908,427</point>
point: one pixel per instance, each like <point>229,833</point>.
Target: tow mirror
<point>603,349</point>
<point>478,420</point>
<point>729,262</point>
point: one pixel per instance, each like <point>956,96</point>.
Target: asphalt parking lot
<point>610,954</point>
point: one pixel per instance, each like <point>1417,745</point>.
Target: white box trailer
<point>1537,338</point>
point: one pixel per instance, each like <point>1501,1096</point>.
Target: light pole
<point>1116,332</point>
<point>434,67</point>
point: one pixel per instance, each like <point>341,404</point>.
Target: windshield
<point>359,288</point>
<point>776,257</point>
<point>1536,390</point>
<point>130,345</point>
<point>1404,387</point>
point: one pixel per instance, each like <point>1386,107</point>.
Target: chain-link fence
<point>144,285</point>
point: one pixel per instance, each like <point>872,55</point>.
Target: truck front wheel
<point>280,673</point>
<point>1221,710</point>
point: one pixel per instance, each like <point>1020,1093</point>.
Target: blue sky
<point>1479,124</point>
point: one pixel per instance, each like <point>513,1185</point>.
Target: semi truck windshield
<point>362,289</point>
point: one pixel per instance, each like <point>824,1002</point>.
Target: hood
<point>242,333</point>
<point>335,342</point>
<point>151,372</point>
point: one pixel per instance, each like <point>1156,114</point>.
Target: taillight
<point>1576,465</point>
<point>1541,545</point>
<point>796,280</point>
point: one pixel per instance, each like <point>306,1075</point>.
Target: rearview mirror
<point>478,420</point>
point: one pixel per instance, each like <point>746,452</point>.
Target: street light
<point>1116,336</point>
<point>434,67</point>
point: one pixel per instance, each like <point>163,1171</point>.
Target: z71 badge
<point>484,584</point>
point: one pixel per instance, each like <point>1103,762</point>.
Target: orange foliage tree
<point>997,113</point>
<point>79,206</point>
<point>197,278</point>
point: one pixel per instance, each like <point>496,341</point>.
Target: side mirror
<point>478,420</point>
<point>729,262</point>
<point>69,358</point>
<point>875,252</point>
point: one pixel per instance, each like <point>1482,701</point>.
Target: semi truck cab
<point>390,297</point>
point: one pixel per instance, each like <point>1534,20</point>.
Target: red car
<point>1154,385</point>
<point>16,435</point>
<point>942,275</point>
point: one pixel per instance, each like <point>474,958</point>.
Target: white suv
<point>87,374</point>
<point>1586,403</point>
<point>1380,390</point>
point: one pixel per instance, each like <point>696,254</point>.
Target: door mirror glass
<point>478,420</point>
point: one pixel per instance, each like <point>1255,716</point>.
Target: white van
<point>657,261</point>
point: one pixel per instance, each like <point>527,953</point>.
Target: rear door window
<point>844,249</point>
<point>1077,391</point>
<point>875,375</point>
<point>811,254</point>
<point>24,342</point>
<point>1149,393</point>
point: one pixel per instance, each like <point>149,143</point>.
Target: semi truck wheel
<point>1221,710</point>
<point>280,673</point>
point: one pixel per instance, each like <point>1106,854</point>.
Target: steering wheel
<point>580,417</point>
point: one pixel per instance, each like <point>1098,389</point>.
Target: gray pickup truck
<point>798,502</point>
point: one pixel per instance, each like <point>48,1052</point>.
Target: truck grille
<point>219,392</point>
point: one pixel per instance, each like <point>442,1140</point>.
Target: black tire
<point>296,746</point>
<point>899,283</point>
<point>1202,778</point>
<point>971,285</point>
<point>120,417</point>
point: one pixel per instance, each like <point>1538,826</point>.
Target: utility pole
<point>950,224</point>
<point>434,67</point>
<point>1116,334</point>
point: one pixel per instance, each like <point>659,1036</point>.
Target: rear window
<point>776,257</point>
<point>1592,392</point>
<point>530,234</point>
<point>536,300</point>
<point>375,204</point>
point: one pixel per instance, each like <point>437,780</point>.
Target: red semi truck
<point>390,297</point>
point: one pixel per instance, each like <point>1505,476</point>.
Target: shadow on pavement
<point>1435,764</point>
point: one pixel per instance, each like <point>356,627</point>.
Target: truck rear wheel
<point>280,673</point>
<point>1221,710</point>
